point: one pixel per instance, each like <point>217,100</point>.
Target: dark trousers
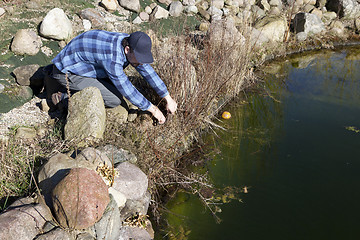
<point>57,81</point>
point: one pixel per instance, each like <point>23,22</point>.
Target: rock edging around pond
<point>84,196</point>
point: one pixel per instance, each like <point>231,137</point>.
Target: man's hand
<point>171,105</point>
<point>157,114</point>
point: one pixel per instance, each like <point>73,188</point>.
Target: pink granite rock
<point>80,199</point>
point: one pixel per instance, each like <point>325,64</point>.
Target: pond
<point>295,147</point>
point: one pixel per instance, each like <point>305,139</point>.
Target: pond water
<point>296,147</point>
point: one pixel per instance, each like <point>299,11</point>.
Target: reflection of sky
<point>334,78</point>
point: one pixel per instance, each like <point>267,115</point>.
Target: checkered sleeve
<point>149,74</point>
<point>125,87</point>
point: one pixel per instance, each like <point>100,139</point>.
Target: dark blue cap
<point>140,42</point>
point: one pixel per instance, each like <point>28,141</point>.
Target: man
<point>97,58</point>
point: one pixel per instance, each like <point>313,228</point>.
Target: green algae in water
<point>303,178</point>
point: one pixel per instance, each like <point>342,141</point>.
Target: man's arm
<point>127,90</point>
<point>149,74</point>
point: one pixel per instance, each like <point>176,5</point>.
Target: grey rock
<point>116,155</point>
<point>137,20</point>
<point>117,115</point>
<point>188,2</point>
<point>26,42</point>
<point>166,2</point>
<point>25,133</point>
<point>29,73</point>
<point>348,9</point>
<point>308,8</point>
<point>140,205</point>
<point>301,36</point>
<point>23,222</point>
<point>55,234</point>
<point>49,225</point>
<point>263,4</point>
<point>86,117</point>
<point>56,25</point>
<point>108,227</point>
<point>308,23</point>
<point>217,3</point>
<point>2,87</point>
<point>128,232</point>
<point>2,11</point>
<point>159,13</point>
<point>258,12</point>
<point>144,16</point>
<point>214,11</point>
<point>109,5</point>
<point>85,236</point>
<point>337,27</point>
<point>130,181</point>
<point>176,8</point>
<point>224,32</point>
<point>258,38</point>
<point>94,16</point>
<point>132,5</point>
<point>32,5</point>
<point>328,16</point>
<point>94,156</point>
<point>273,27</point>
<point>204,13</point>
<point>277,3</point>
<point>119,198</point>
<point>25,92</point>
<point>191,9</point>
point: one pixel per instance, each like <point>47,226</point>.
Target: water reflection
<point>292,145</point>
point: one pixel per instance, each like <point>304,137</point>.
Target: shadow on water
<point>295,145</point>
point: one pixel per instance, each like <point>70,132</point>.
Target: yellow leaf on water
<point>352,128</point>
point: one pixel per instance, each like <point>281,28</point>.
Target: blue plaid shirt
<point>99,54</point>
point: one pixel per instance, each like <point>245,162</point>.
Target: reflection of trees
<point>253,125</point>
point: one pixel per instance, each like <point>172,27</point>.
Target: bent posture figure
<point>98,58</point>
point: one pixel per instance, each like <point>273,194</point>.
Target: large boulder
<point>108,227</point>
<point>308,23</point>
<point>56,25</point>
<point>27,42</point>
<point>80,199</point>
<point>23,222</point>
<point>52,172</point>
<point>272,27</point>
<point>130,181</point>
<point>86,117</point>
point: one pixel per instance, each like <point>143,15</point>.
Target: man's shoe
<point>57,97</point>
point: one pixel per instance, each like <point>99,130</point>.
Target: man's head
<point>139,46</point>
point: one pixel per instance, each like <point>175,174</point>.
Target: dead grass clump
<point>21,159</point>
